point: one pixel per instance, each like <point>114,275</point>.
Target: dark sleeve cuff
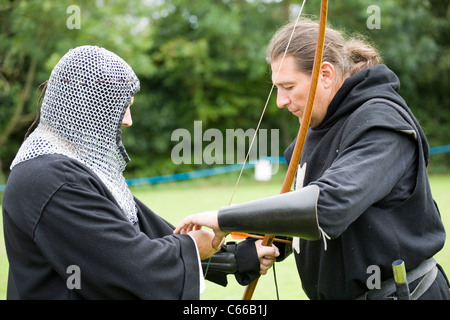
<point>247,261</point>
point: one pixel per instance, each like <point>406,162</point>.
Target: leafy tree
<point>33,37</point>
<point>205,60</point>
<point>208,64</point>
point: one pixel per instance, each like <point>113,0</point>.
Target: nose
<point>282,99</point>
<point>127,121</point>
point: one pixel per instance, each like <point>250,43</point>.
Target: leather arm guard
<point>288,214</point>
<point>219,266</point>
<point>223,261</point>
<point>240,259</point>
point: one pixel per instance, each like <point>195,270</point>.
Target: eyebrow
<point>284,83</point>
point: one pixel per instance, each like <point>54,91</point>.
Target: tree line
<point>204,60</point>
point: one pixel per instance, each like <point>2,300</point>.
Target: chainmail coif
<point>81,116</point>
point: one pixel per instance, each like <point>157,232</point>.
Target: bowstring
<point>259,124</point>
<point>266,104</point>
<point>257,129</point>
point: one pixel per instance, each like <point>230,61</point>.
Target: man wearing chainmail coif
<point>67,206</point>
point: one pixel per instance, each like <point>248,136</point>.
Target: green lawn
<point>173,201</point>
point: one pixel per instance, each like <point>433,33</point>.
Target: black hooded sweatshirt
<point>369,158</point>
<point>58,215</point>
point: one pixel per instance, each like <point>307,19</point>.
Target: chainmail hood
<point>81,116</point>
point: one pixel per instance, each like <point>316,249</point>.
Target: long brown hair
<point>348,55</point>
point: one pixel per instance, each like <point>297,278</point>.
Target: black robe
<point>369,159</point>
<point>58,214</point>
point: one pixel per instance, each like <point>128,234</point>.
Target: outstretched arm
<point>196,221</point>
<point>288,214</point>
<point>266,255</point>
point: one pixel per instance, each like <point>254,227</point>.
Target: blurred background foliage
<point>205,60</point>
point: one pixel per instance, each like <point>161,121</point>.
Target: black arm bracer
<point>288,214</point>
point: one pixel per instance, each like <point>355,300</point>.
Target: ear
<point>327,74</point>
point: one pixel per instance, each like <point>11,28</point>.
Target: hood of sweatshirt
<point>374,82</point>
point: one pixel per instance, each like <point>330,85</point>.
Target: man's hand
<point>197,221</point>
<point>204,242</point>
<point>266,255</point>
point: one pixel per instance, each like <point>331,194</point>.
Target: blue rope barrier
<point>188,175</point>
<point>199,173</point>
<point>441,149</point>
<point>221,170</point>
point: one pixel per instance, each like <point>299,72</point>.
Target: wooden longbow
<point>301,137</point>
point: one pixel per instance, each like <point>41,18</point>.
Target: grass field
<point>173,201</point>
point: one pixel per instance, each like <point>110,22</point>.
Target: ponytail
<point>348,56</point>
<point>361,55</point>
